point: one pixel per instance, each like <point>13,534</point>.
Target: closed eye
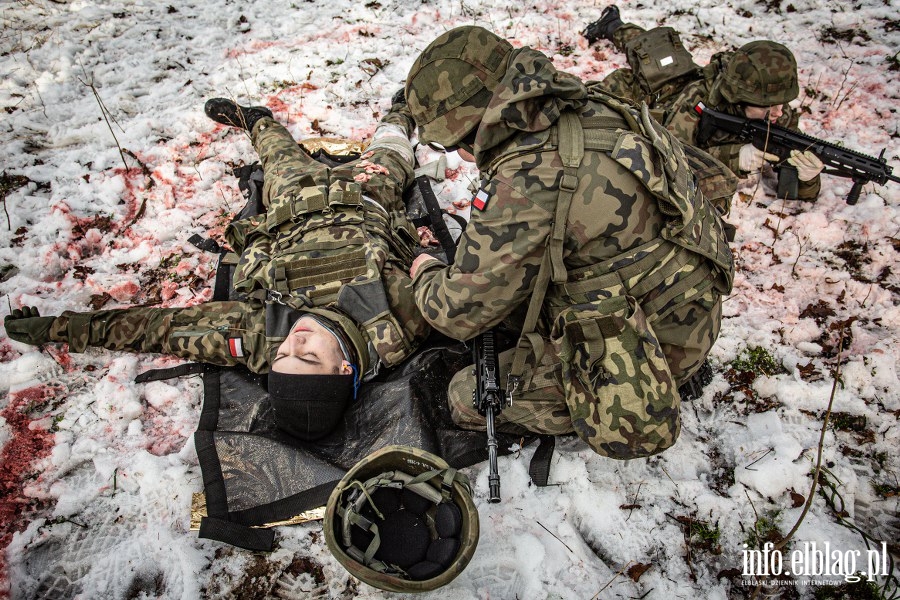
<point>310,359</point>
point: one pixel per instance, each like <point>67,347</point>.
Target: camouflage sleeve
<point>729,154</point>
<point>497,260</point>
<point>400,116</point>
<point>809,190</point>
<point>399,290</point>
<point>201,333</point>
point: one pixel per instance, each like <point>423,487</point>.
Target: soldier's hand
<point>808,164</point>
<point>751,159</point>
<point>26,325</point>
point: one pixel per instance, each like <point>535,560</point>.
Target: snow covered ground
<point>109,165</point>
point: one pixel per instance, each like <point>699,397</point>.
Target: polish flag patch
<point>480,200</point>
<point>236,347</point>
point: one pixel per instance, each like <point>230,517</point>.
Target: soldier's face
<point>309,349</point>
<point>768,113</point>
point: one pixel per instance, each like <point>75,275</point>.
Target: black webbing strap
<point>249,538</point>
<point>205,244</point>
<point>171,372</point>
<point>285,508</point>
<point>436,215</point>
<point>209,413</point>
<point>539,469</point>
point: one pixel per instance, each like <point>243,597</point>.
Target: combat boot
<point>603,27</point>
<point>228,112</point>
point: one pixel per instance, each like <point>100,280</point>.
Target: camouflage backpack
<point>657,57</point>
<point>622,398</point>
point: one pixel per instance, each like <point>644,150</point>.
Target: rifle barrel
<point>494,471</point>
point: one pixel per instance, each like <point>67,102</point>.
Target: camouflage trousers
<point>383,174</point>
<point>624,34</point>
<point>686,336</point>
<point>285,164</point>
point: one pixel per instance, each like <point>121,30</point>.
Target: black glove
<point>26,325</point>
<point>399,97</point>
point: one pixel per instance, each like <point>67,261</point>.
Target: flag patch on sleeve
<point>236,346</point>
<point>481,199</point>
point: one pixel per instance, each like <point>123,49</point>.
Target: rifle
<point>489,400</point>
<point>859,167</point>
<point>487,397</point>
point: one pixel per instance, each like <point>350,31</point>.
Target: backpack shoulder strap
<point>571,151</point>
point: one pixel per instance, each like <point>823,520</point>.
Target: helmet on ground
<point>451,83</point>
<point>761,73</point>
<point>402,520</point>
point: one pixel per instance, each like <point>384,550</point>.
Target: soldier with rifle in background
<point>757,81</point>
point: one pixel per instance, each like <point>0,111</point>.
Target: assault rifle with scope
<point>840,161</point>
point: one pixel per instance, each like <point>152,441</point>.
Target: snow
<point>97,471</point>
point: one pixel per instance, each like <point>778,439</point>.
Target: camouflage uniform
<point>717,88</point>
<point>636,300</point>
<point>332,242</point>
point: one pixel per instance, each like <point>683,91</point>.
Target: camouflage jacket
<point>334,241</point>
<point>225,333</point>
<point>221,333</point>
<point>681,119</point>
<point>516,149</point>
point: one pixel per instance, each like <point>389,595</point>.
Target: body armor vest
<point>323,247</point>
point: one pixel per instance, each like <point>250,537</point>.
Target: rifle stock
<point>843,162</point>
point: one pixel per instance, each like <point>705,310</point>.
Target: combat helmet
<point>761,73</point>
<point>451,83</point>
<point>402,520</point>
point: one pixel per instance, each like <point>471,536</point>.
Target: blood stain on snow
<point>27,445</point>
<point>7,353</point>
<point>452,174</point>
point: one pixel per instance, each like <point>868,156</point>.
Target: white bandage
<point>392,137</point>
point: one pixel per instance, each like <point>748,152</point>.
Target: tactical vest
<point>615,375</point>
<point>324,246</point>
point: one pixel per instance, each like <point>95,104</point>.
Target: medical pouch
<point>618,387</point>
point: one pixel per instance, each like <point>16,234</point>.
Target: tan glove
<point>808,164</point>
<point>751,159</point>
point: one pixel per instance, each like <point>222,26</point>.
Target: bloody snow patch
<point>251,48</point>
<point>124,292</point>
<point>27,445</point>
<point>453,174</point>
<point>6,352</point>
<point>61,355</point>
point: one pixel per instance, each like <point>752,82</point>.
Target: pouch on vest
<point>618,387</point>
<point>657,56</point>
<point>717,182</point>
